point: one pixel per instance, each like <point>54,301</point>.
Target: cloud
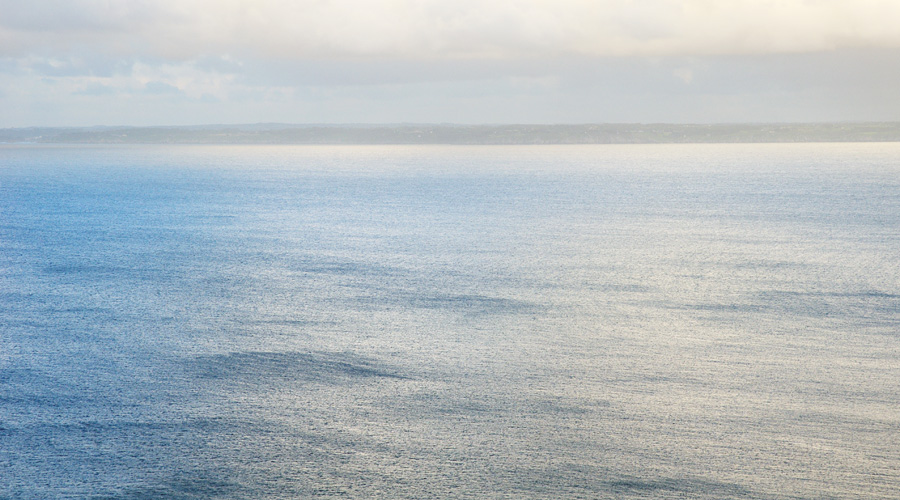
<point>161,88</point>
<point>441,29</point>
<point>217,61</point>
<point>95,89</point>
<point>686,75</point>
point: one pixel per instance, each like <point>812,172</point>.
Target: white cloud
<point>442,29</point>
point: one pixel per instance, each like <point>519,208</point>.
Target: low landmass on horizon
<point>459,134</point>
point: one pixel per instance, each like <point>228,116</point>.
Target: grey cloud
<point>391,71</point>
<point>219,64</point>
<point>96,89</point>
<point>77,15</point>
<point>88,65</point>
<point>835,86</point>
<point>8,65</point>
<point>161,88</point>
<point>198,61</point>
<point>847,69</point>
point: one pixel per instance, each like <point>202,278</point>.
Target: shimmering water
<point>692,321</point>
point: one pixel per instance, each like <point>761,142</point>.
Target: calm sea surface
<point>653,321</point>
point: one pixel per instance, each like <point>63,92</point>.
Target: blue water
<point>647,321</point>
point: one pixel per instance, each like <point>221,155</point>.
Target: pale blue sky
<point>178,62</point>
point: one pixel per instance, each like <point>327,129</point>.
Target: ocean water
<point>640,321</point>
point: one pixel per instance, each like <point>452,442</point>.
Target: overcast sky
<point>179,62</point>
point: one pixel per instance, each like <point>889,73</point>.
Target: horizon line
<point>463,124</point>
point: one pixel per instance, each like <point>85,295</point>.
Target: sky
<point>189,62</point>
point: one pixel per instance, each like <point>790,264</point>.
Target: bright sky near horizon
<point>178,62</point>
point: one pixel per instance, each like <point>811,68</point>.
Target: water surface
<point>664,321</point>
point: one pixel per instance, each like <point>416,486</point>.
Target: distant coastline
<point>460,134</point>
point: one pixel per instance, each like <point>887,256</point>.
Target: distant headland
<point>275,133</point>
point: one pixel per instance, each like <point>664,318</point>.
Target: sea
<point>693,321</point>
